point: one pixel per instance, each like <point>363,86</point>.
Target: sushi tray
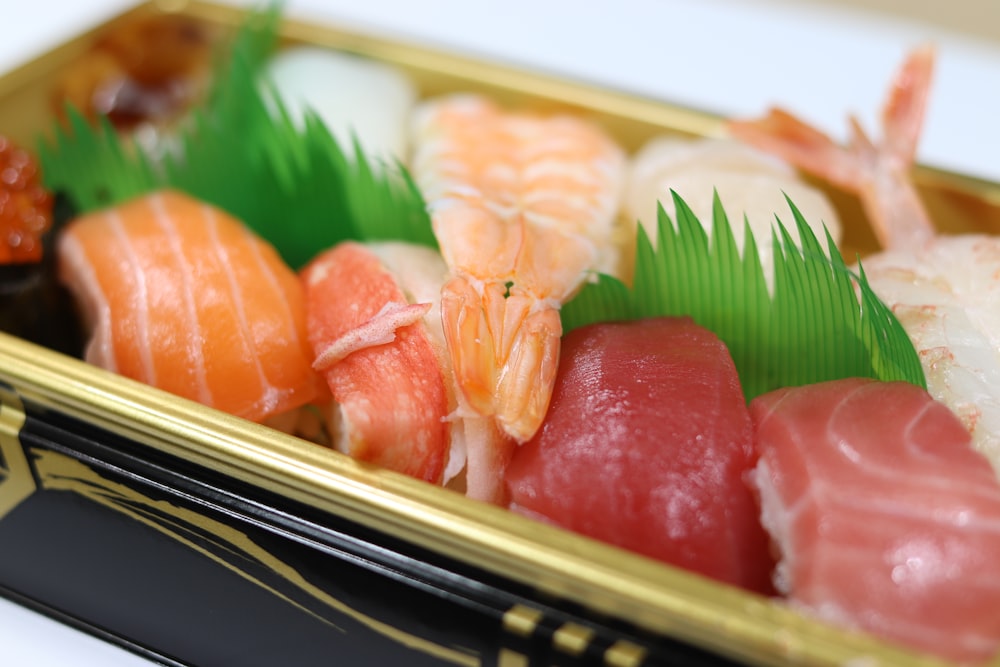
<point>210,484</point>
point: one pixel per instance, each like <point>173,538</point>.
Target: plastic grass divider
<point>822,322</point>
<point>294,186</point>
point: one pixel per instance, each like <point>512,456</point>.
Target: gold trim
<point>521,620</point>
<point>572,638</point>
<point>509,658</point>
<point>624,654</point>
<point>17,482</point>
<point>58,472</point>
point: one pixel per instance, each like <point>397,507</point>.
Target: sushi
<point>885,517</point>
<point>944,288</point>
<point>33,304</point>
<point>382,356</point>
<point>524,207</point>
<point>179,295</point>
<point>751,185</point>
<point>358,99</point>
<point>645,446</point>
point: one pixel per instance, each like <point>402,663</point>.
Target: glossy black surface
<point>180,563</point>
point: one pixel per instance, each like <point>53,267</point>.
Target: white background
<point>728,56</point>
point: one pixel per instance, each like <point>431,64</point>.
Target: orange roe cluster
<point>25,206</point>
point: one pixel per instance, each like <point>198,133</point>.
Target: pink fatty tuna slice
<point>646,445</point>
<point>886,519</point>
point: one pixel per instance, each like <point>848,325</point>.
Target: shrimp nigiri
<point>945,290</point>
<point>524,208</point>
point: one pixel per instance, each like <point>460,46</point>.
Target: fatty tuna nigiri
<point>180,295</point>
<point>645,446</point>
<point>885,517</point>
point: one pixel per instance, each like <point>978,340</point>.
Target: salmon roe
<point>25,206</point>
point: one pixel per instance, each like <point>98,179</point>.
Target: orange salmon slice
<point>182,296</point>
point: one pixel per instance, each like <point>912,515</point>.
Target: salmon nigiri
<point>885,516</point>
<point>180,295</point>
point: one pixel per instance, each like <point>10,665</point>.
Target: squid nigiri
<point>750,184</point>
<point>182,296</point>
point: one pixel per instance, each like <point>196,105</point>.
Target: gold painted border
<point>16,479</point>
<point>59,472</point>
<point>652,596</point>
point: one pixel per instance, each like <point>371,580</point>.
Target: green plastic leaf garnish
<point>295,186</point>
<point>822,322</point>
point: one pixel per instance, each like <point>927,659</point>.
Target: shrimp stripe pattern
<point>524,208</point>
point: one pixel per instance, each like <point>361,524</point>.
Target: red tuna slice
<point>380,359</point>
<point>887,520</point>
<point>645,445</point>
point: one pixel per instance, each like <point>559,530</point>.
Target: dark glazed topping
<point>149,70</point>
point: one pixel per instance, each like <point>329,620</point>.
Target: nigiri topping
<point>751,185</point>
<point>645,446</point>
<point>358,99</point>
<point>182,296</point>
<point>524,208</point>
<point>886,519</point>
<point>382,361</point>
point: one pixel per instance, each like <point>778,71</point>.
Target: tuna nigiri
<point>182,296</point>
<point>645,446</point>
<point>885,517</point>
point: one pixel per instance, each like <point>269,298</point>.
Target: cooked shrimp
<point>524,209</point>
<point>945,290</point>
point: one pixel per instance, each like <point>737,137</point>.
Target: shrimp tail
<point>528,377</point>
<point>504,350</point>
<point>905,109</point>
<point>879,173</point>
<point>470,342</point>
<point>795,141</point>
